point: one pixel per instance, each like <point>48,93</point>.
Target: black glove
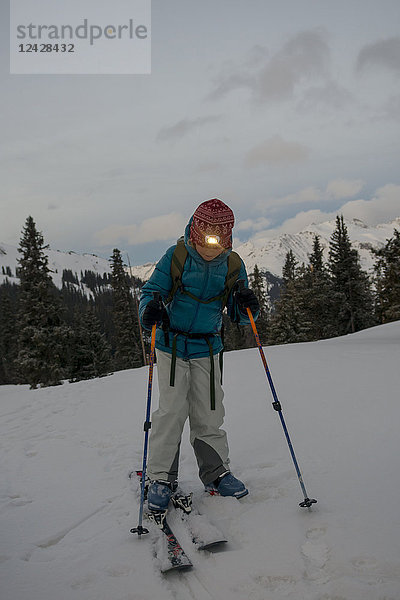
<point>153,313</point>
<point>245,297</point>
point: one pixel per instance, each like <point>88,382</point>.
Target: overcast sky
<point>288,111</point>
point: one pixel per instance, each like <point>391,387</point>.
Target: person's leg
<point>168,420</point>
<point>209,441</point>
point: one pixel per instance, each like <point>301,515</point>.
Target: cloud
<point>293,225</point>
<point>309,194</point>
<point>329,95</point>
<point>228,82</point>
<point>344,188</point>
<point>209,166</point>
<point>384,53</point>
<point>276,151</point>
<point>304,57</point>
<point>257,56</point>
<point>383,207</point>
<point>338,189</point>
<point>390,110</point>
<point>161,228</point>
<point>184,127</point>
<point>253,224</point>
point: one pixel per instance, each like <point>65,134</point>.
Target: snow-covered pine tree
<point>90,352</point>
<point>387,269</point>
<point>352,297</point>
<point>127,344</point>
<point>257,285</point>
<point>42,336</point>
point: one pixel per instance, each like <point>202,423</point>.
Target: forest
<point>48,335</point>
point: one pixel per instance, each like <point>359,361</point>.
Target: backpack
<point>177,265</point>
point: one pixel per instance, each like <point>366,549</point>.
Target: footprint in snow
<point>315,553</point>
<point>83,583</point>
<point>16,500</point>
<point>364,563</point>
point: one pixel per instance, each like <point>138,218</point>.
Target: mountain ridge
<point>268,253</point>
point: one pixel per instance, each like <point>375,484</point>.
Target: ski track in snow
<point>66,506</point>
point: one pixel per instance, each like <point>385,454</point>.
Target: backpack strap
<point>234,266</point>
<point>177,263</point>
<point>206,337</point>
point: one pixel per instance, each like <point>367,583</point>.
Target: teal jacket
<point>202,279</point>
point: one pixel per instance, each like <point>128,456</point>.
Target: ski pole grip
<point>157,297</point>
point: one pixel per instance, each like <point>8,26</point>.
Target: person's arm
<point>237,300</point>
<point>160,281</point>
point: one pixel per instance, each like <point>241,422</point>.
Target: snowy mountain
<point>58,261</point>
<point>66,503</point>
<point>268,254</point>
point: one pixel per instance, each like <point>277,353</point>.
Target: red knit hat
<point>212,217</point>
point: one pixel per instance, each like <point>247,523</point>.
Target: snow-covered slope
<point>58,261</point>
<point>66,504</point>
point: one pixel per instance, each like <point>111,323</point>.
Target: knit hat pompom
<point>212,217</point>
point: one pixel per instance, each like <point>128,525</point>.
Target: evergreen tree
<point>104,311</point>
<point>235,335</point>
<point>387,271</point>
<point>90,352</point>
<point>42,336</point>
<point>289,322</point>
<point>127,344</point>
<point>289,269</point>
<point>8,341</point>
<point>318,296</point>
<point>257,285</point>
<point>317,258</point>
<point>352,297</point>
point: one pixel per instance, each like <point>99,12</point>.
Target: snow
<point>270,253</point>
<point>58,261</point>
<point>67,504</point>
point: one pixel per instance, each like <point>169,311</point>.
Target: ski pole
<point>147,425</point>
<point>277,406</point>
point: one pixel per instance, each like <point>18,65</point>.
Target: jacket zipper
<point>206,277</point>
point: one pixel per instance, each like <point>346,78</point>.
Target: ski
<point>175,556</point>
<point>168,550</point>
<point>205,535</point>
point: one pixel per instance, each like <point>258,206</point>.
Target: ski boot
<point>158,495</point>
<point>227,485</point>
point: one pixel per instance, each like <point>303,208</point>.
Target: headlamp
<point>212,240</point>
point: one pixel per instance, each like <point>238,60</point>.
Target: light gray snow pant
<point>189,397</point>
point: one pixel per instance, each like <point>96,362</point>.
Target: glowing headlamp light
<point>212,240</point>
